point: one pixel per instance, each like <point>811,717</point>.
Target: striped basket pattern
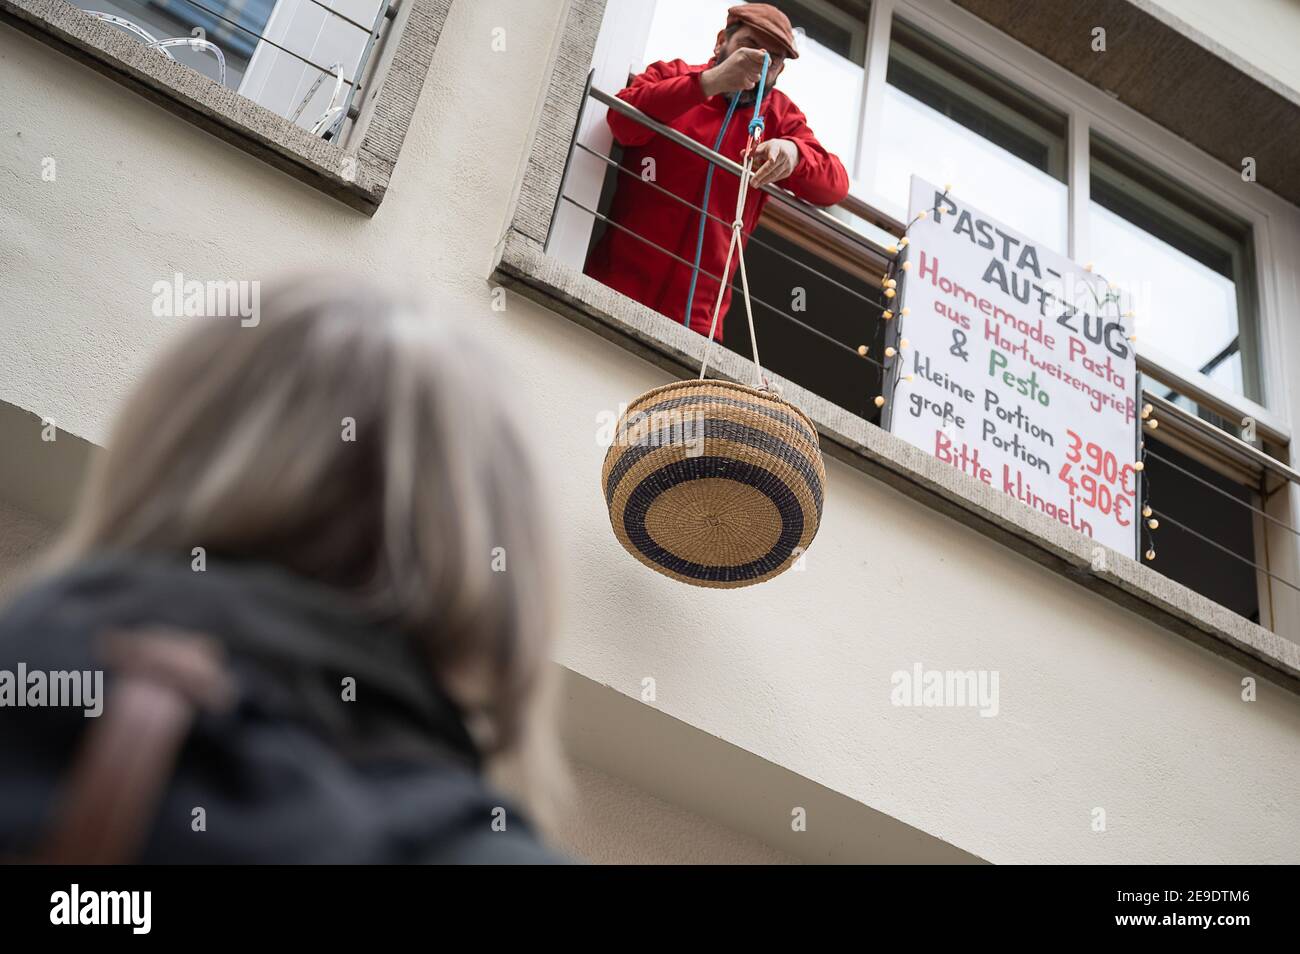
<point>714,483</point>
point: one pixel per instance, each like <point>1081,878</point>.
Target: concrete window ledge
<point>524,267</point>
<point>356,174</point>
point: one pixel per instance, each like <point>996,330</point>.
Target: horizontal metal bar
<point>1207,431</point>
<point>346,19</point>
<point>731,283</point>
<point>1219,546</point>
<point>877,217</point>
<point>239,26</point>
<point>704,152</point>
<point>1190,383</point>
<point>754,239</point>
<point>1156,366</point>
<point>1219,490</point>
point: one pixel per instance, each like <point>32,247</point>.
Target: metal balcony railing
<point>229,31</point>
<point>1184,436</point>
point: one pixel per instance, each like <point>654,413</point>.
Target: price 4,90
<point>1096,479</point>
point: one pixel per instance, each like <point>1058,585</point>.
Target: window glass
<point>233,29</point>
<point>825,81</point>
<point>1185,264</point>
<point>951,122</point>
<point>298,58</point>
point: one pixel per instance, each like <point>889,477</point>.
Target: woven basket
<point>713,483</point>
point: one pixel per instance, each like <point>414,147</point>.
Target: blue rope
<point>755,123</point>
<point>704,205</point>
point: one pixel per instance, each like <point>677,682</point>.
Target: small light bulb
<point>1153,524</point>
<point>903,242</point>
<point>905,266</point>
<point>891,249</point>
<point>891,283</point>
<point>922,214</point>
<point>1139,467</point>
<point>886,314</point>
<point>862,350</point>
<point>904,311</point>
<point>1151,554</point>
<point>1153,423</point>
<point>889,293</point>
<point>1088,267</point>
<point>880,400</point>
<point>907,377</point>
<point>1146,511</point>
<point>902,343</point>
<point>1146,411</point>
<point>947,187</point>
<point>890,352</point>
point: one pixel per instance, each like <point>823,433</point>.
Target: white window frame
<point>1275,223</point>
<point>1275,226</point>
<point>530,265</point>
<point>1088,109</point>
<point>355,168</point>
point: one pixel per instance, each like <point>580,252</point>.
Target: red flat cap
<point>769,20</point>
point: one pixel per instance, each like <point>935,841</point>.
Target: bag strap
<point>163,678</point>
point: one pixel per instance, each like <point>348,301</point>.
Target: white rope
<point>736,247</point>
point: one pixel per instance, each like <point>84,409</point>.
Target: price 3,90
<point>1096,479</point>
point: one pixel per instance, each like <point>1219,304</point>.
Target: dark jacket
<point>290,772</point>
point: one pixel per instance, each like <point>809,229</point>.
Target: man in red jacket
<point>694,101</point>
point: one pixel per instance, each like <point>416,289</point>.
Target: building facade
<point>1120,709</point>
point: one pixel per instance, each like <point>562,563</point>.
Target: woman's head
<point>354,439</point>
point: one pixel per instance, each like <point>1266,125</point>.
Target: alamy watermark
<point>946,688</point>
<point>76,906</point>
<point>189,298</point>
<point>39,688</point>
<point>663,427</point>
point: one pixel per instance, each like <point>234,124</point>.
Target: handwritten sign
<point>1017,369</point>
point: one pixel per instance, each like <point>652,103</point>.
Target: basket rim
<point>720,382</point>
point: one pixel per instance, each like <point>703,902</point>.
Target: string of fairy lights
<point>898,267</point>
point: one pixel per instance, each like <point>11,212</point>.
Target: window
<point>1015,140</point>
<point>826,82</point>
<point>299,58</point>
<point>1188,266</point>
<point>319,65</point>
<point>827,79</point>
<point>231,28</point>
<point>949,121</point>
<point>1185,268</point>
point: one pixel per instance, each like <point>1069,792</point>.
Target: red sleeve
<point>662,92</point>
<point>819,177</point>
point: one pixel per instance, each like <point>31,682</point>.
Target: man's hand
<point>738,71</point>
<point>774,159</point>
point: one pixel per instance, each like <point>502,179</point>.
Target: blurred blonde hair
<point>234,441</point>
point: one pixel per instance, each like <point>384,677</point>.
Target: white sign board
<point>1021,371</point>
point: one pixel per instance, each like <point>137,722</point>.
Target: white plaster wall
<point>611,822</point>
<point>1099,709</point>
<point>1261,32</point>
